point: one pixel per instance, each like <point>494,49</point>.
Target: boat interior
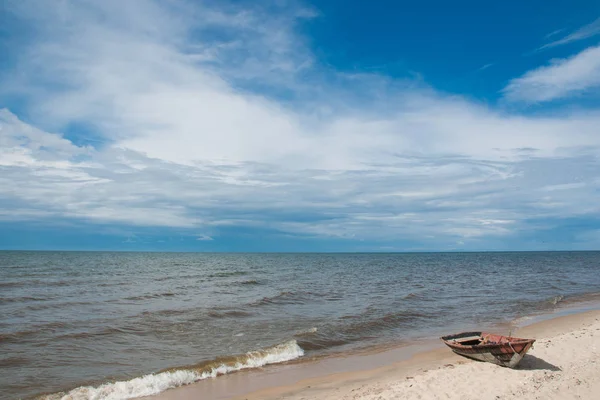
<point>474,339</point>
<point>470,341</point>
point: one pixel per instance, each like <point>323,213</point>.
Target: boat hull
<point>501,350</point>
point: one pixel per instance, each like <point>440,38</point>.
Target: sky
<point>180,125</point>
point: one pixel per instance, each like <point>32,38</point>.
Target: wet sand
<point>564,363</point>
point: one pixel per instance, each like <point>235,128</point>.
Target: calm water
<point>69,319</point>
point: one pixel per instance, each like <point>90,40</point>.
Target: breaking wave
<point>155,383</point>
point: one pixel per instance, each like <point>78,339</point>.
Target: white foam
<point>155,383</point>
<point>255,359</point>
<point>137,387</point>
<point>307,332</point>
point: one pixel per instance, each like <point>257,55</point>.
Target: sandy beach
<point>564,364</point>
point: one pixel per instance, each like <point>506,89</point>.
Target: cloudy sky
<point>299,126</point>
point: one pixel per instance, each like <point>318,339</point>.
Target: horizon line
<point>301,252</point>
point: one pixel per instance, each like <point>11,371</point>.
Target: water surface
<point>69,319</point>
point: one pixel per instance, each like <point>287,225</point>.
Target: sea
<point>113,325</point>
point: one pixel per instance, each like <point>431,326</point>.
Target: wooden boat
<point>502,350</point>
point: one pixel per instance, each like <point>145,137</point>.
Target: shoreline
<point>323,378</point>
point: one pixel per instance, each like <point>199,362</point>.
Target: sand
<point>564,364</point>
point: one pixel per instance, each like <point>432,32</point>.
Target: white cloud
<point>204,238</point>
<point>562,78</point>
<point>214,118</point>
<point>587,31</point>
<point>433,198</point>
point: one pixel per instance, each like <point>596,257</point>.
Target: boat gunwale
<point>447,339</point>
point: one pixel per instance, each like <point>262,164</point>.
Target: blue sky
<point>299,126</point>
